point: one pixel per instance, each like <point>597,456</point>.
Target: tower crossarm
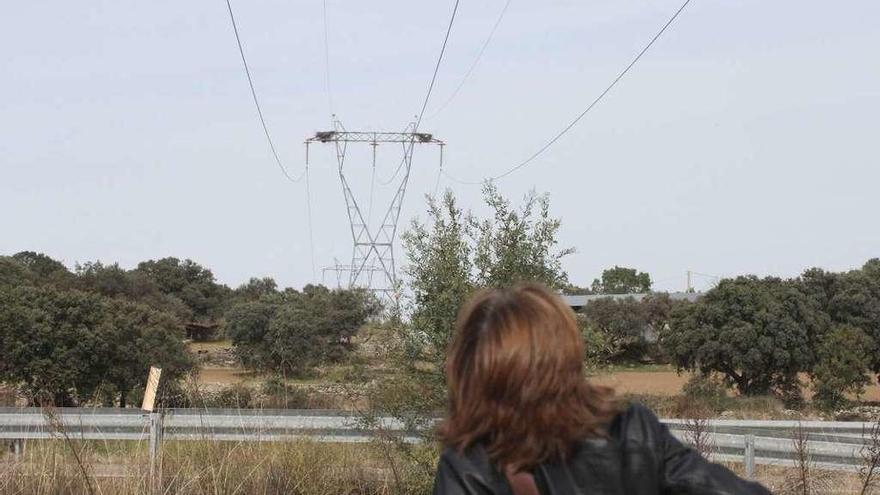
<point>373,137</point>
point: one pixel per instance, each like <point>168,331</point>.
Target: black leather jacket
<point>639,456</point>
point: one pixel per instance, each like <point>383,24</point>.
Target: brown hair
<point>516,381</point>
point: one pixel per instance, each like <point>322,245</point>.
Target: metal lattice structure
<point>373,250</point>
<point>341,272</point>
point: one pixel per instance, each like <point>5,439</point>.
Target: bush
<point>707,391</point>
<point>276,394</point>
<point>235,396</point>
<point>842,366</point>
<point>293,333</point>
<point>599,349</point>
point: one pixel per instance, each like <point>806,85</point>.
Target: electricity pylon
<point>373,250</point>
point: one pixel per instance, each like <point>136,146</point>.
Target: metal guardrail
<point>832,445</point>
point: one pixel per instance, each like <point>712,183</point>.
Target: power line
<point>305,172</point>
<point>247,72</point>
<point>436,67</point>
<point>473,65</point>
<point>396,170</point>
<point>599,98</point>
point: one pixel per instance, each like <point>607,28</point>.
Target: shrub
<point>235,396</point>
<point>276,394</point>
<point>843,360</point>
<point>707,391</point>
<point>293,333</point>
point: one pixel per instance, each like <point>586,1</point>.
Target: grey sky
<point>744,141</point>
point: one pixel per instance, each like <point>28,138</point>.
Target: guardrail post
<point>157,420</point>
<point>749,456</point>
<point>17,447</point>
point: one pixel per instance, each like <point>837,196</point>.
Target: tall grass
<point>209,468</point>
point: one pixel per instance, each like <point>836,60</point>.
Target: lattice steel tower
<point>373,250</point>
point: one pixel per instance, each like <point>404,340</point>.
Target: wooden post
<point>749,456</point>
<point>157,420</point>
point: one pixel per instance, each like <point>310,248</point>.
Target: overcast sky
<point>745,141</point>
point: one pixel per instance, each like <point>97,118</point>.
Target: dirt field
<point>212,375</point>
<point>643,382</point>
<point>625,382</point>
<point>670,383</point>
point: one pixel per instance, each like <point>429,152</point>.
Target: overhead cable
<point>436,67</point>
<point>474,64</point>
<point>567,128</point>
<point>250,80</point>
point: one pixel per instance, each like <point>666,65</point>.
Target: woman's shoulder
<point>470,469</point>
<point>473,458</point>
<point>636,423</point>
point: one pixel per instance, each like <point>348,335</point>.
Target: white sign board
<point>152,388</point>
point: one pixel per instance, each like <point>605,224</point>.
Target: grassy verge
<point>203,468</point>
<point>227,468</point>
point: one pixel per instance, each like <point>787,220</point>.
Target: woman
<point>523,420</point>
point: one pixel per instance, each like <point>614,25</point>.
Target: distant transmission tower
<point>373,251</point>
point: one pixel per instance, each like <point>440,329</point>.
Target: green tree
<point>517,244</point>
<point>439,273</point>
<point>758,333</point>
<point>256,289</point>
<point>45,269</point>
<point>658,307</point>
<point>65,345</point>
<point>115,282</point>
<point>188,281</point>
<point>51,344</point>
<point>299,330</point>
<point>138,337</point>
<point>629,328</point>
<point>851,298</point>
<point>457,252</point>
<point>13,273</point>
<point>247,325</point>
<point>450,256</point>
<point>621,280</point>
<point>599,349</point>
<point>843,359</point>
<point>623,323</point>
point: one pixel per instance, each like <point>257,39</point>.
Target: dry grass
<point>778,479</point>
<point>303,468</point>
<point>7,396</point>
<point>209,468</point>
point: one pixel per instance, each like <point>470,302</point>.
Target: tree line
<point>106,324</point>
<point>91,334</point>
<point>758,335</point>
<point>762,334</point>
